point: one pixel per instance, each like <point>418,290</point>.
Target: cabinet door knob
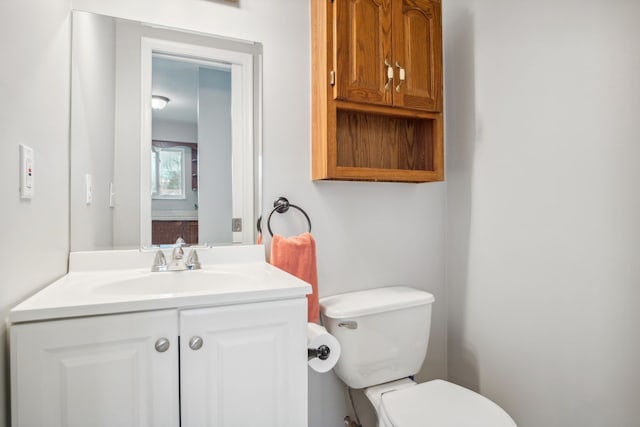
<point>195,343</point>
<point>162,345</point>
<point>401,77</point>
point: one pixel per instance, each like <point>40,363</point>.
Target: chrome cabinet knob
<point>195,343</point>
<point>162,345</point>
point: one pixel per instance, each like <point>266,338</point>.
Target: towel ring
<point>282,205</point>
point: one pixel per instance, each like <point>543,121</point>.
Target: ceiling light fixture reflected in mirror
<point>159,102</point>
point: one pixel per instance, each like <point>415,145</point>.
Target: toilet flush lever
<point>349,324</point>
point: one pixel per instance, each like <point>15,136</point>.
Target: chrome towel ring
<point>282,205</point>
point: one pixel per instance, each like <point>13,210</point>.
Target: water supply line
<point>348,422</point>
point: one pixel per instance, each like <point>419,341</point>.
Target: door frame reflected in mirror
<point>244,140</point>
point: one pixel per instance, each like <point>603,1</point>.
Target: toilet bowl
<point>436,403</point>
<point>384,334</point>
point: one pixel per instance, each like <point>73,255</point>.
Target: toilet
<point>384,335</point>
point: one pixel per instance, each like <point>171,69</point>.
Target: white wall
<point>126,168</point>
<point>92,125</point>
<point>174,130</point>
<point>34,87</point>
<point>543,207</point>
<point>541,184</point>
<point>368,234</point>
<point>214,156</point>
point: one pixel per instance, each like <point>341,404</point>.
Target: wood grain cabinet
<point>377,90</point>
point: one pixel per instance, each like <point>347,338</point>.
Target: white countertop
<point>109,282</point>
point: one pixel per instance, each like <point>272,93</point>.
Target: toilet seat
<point>441,404</point>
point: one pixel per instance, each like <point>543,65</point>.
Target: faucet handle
<point>193,261</point>
<point>159,262</point>
<point>178,253</point>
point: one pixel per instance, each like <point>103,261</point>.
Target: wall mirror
<point>165,136</point>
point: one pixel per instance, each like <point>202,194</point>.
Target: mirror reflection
<point>191,125</point>
<point>165,137</point>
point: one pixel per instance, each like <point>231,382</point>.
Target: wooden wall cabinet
<point>377,90</point>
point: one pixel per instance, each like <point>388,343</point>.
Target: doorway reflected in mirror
<point>195,125</point>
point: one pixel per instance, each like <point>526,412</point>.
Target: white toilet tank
<point>383,333</point>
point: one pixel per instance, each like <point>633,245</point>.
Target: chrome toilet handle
<point>349,324</point>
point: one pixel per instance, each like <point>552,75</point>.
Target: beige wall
<point>543,207</point>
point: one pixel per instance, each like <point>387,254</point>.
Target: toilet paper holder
<point>321,352</point>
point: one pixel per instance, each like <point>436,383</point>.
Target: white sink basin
<point>108,282</point>
<point>177,282</point>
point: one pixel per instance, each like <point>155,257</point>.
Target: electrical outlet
<point>236,225</point>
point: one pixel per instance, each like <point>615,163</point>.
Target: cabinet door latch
<point>332,77</point>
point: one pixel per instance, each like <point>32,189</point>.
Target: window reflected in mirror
<point>168,172</point>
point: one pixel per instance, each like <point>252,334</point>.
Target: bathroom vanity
<point>112,344</point>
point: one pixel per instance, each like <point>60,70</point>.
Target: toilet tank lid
<point>363,303</point>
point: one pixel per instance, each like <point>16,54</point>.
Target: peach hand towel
<point>297,255</point>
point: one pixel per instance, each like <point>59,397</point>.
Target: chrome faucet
<point>193,261</point>
<point>159,262</point>
<point>178,262</point>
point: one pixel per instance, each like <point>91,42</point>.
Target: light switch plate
<point>112,196</point>
<point>26,172</point>
<point>88,189</point>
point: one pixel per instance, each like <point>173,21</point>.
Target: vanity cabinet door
<point>96,371</point>
<point>244,365</point>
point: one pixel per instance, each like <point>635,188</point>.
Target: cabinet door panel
<point>251,369</point>
<point>362,44</point>
<point>417,45</point>
<point>95,371</point>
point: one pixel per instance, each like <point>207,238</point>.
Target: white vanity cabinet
<point>234,365</point>
<point>251,369</point>
<point>95,371</point>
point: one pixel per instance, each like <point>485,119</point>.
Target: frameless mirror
<point>165,135</point>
